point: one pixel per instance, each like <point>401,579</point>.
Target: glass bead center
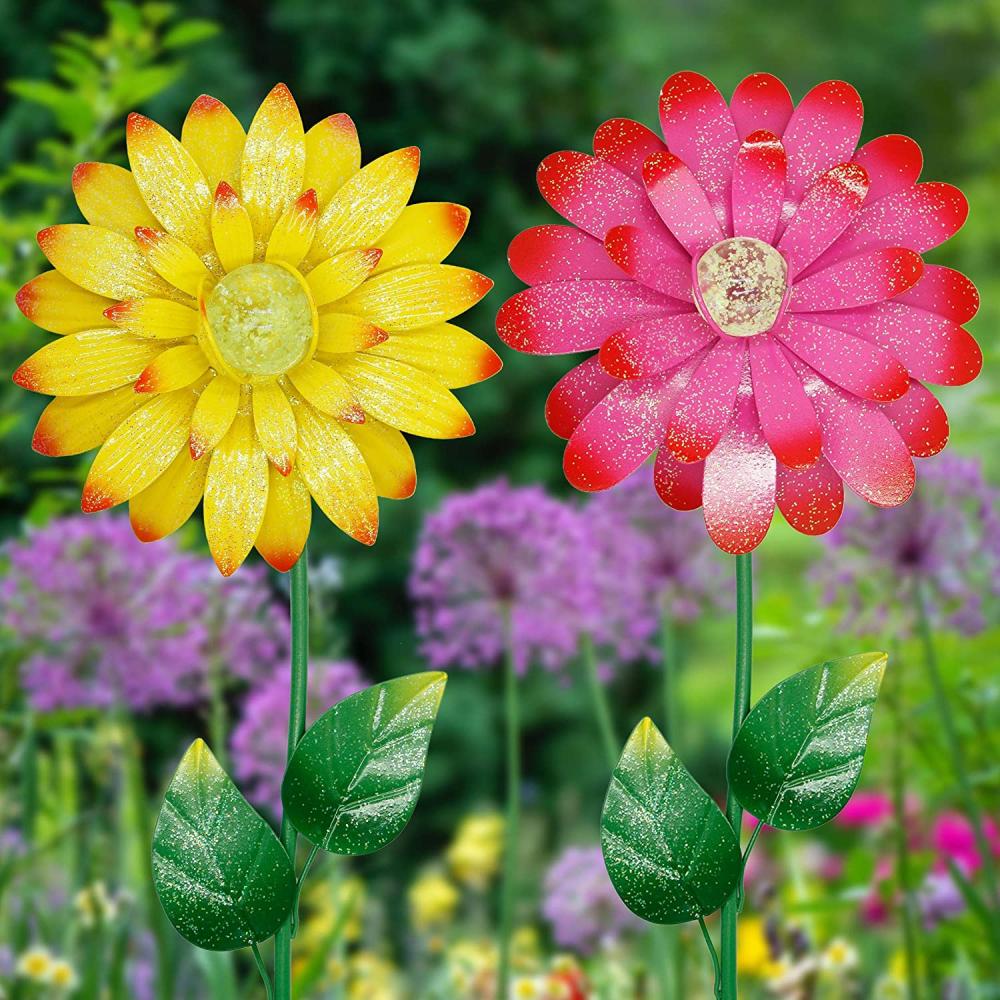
<point>741,284</point>
<point>261,319</point>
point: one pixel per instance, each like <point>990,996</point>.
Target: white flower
<point>840,956</point>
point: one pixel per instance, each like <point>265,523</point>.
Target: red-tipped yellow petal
<point>108,196</point>
<point>171,183</point>
<point>340,275</point>
<point>337,475</point>
<point>273,161</point>
<point>340,333</point>
<point>404,397</point>
<point>320,385</point>
<point>448,352</point>
<point>138,450</point>
<point>214,415</point>
<point>293,233</point>
<point>287,519</point>
<point>367,204</point>
<point>274,422</point>
<point>232,231</point>
<point>388,456</point>
<point>155,319</point>
<point>416,295</point>
<point>173,260</point>
<point>102,261</point>
<point>173,369</point>
<point>162,507</point>
<point>424,234</point>
<point>214,137</point>
<point>81,363</point>
<point>333,154</point>
<point>235,495</point>
<point>71,425</point>
<point>56,304</point>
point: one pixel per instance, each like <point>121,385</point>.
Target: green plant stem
<point>299,610</point>
<point>508,886</point>
<point>599,702</point>
<point>262,969</point>
<point>670,654</point>
<point>741,706</point>
<point>218,717</point>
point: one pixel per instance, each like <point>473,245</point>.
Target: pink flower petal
<point>893,163</point>
<point>641,257</point>
<point>678,483</point>
<point>786,416</point>
<point>920,420</point>
<point>567,316</point>
<point>575,395</point>
<point>858,281</point>
<point>811,500</point>
<point>759,186</point>
<point>761,101</point>
<point>654,345</point>
<point>625,144</point>
<point>945,292</point>
<point>622,430</point>
<point>705,407</point>
<point>739,484</point>
<point>699,128</point>
<point>558,253</point>
<point>822,132</point>
<point>681,202</point>
<point>853,363</point>
<point>828,206</point>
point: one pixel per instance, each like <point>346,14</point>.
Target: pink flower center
<point>740,286</point>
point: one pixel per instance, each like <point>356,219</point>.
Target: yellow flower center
<point>260,320</point>
<point>740,286</point>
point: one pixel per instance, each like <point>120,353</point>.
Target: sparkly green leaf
<point>798,755</point>
<point>354,779</point>
<point>222,876</point>
<point>670,852</point>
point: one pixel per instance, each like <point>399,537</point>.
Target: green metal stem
<point>508,888</point>
<point>262,969</point>
<point>710,945</point>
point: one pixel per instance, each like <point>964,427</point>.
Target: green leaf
<point>222,876</point>
<point>670,852</point>
<point>354,779</point>
<point>189,32</point>
<point>798,755</point>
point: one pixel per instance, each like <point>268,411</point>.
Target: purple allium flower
<point>259,741</point>
<point>939,899</point>
<point>502,549</point>
<point>104,619</point>
<point>947,536</point>
<point>581,904</point>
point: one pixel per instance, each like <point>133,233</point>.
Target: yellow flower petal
<point>424,234</point>
<point>81,363</point>
<point>138,450</point>
<point>274,422</point>
<point>232,231</point>
<point>162,507</point>
<point>333,154</point>
<point>214,414</point>
<point>339,275</point>
<point>108,196</point>
<point>337,475</point>
<point>235,495</point>
<point>287,519</point>
<point>171,182</point>
<point>173,260</point>
<point>156,319</point>
<point>388,456</point>
<point>273,161</point>
<point>173,369</point>
<point>101,261</point>
<point>340,333</point>
<point>293,233</point>
<point>416,295</point>
<point>71,425</point>
<point>367,204</point>
<point>326,390</point>
<point>214,137</point>
<point>404,397</point>
<point>448,352</point>
<point>56,304</point>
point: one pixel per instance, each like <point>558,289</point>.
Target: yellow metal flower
<point>252,318</point>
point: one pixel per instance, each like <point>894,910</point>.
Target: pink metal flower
<point>758,305</point>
